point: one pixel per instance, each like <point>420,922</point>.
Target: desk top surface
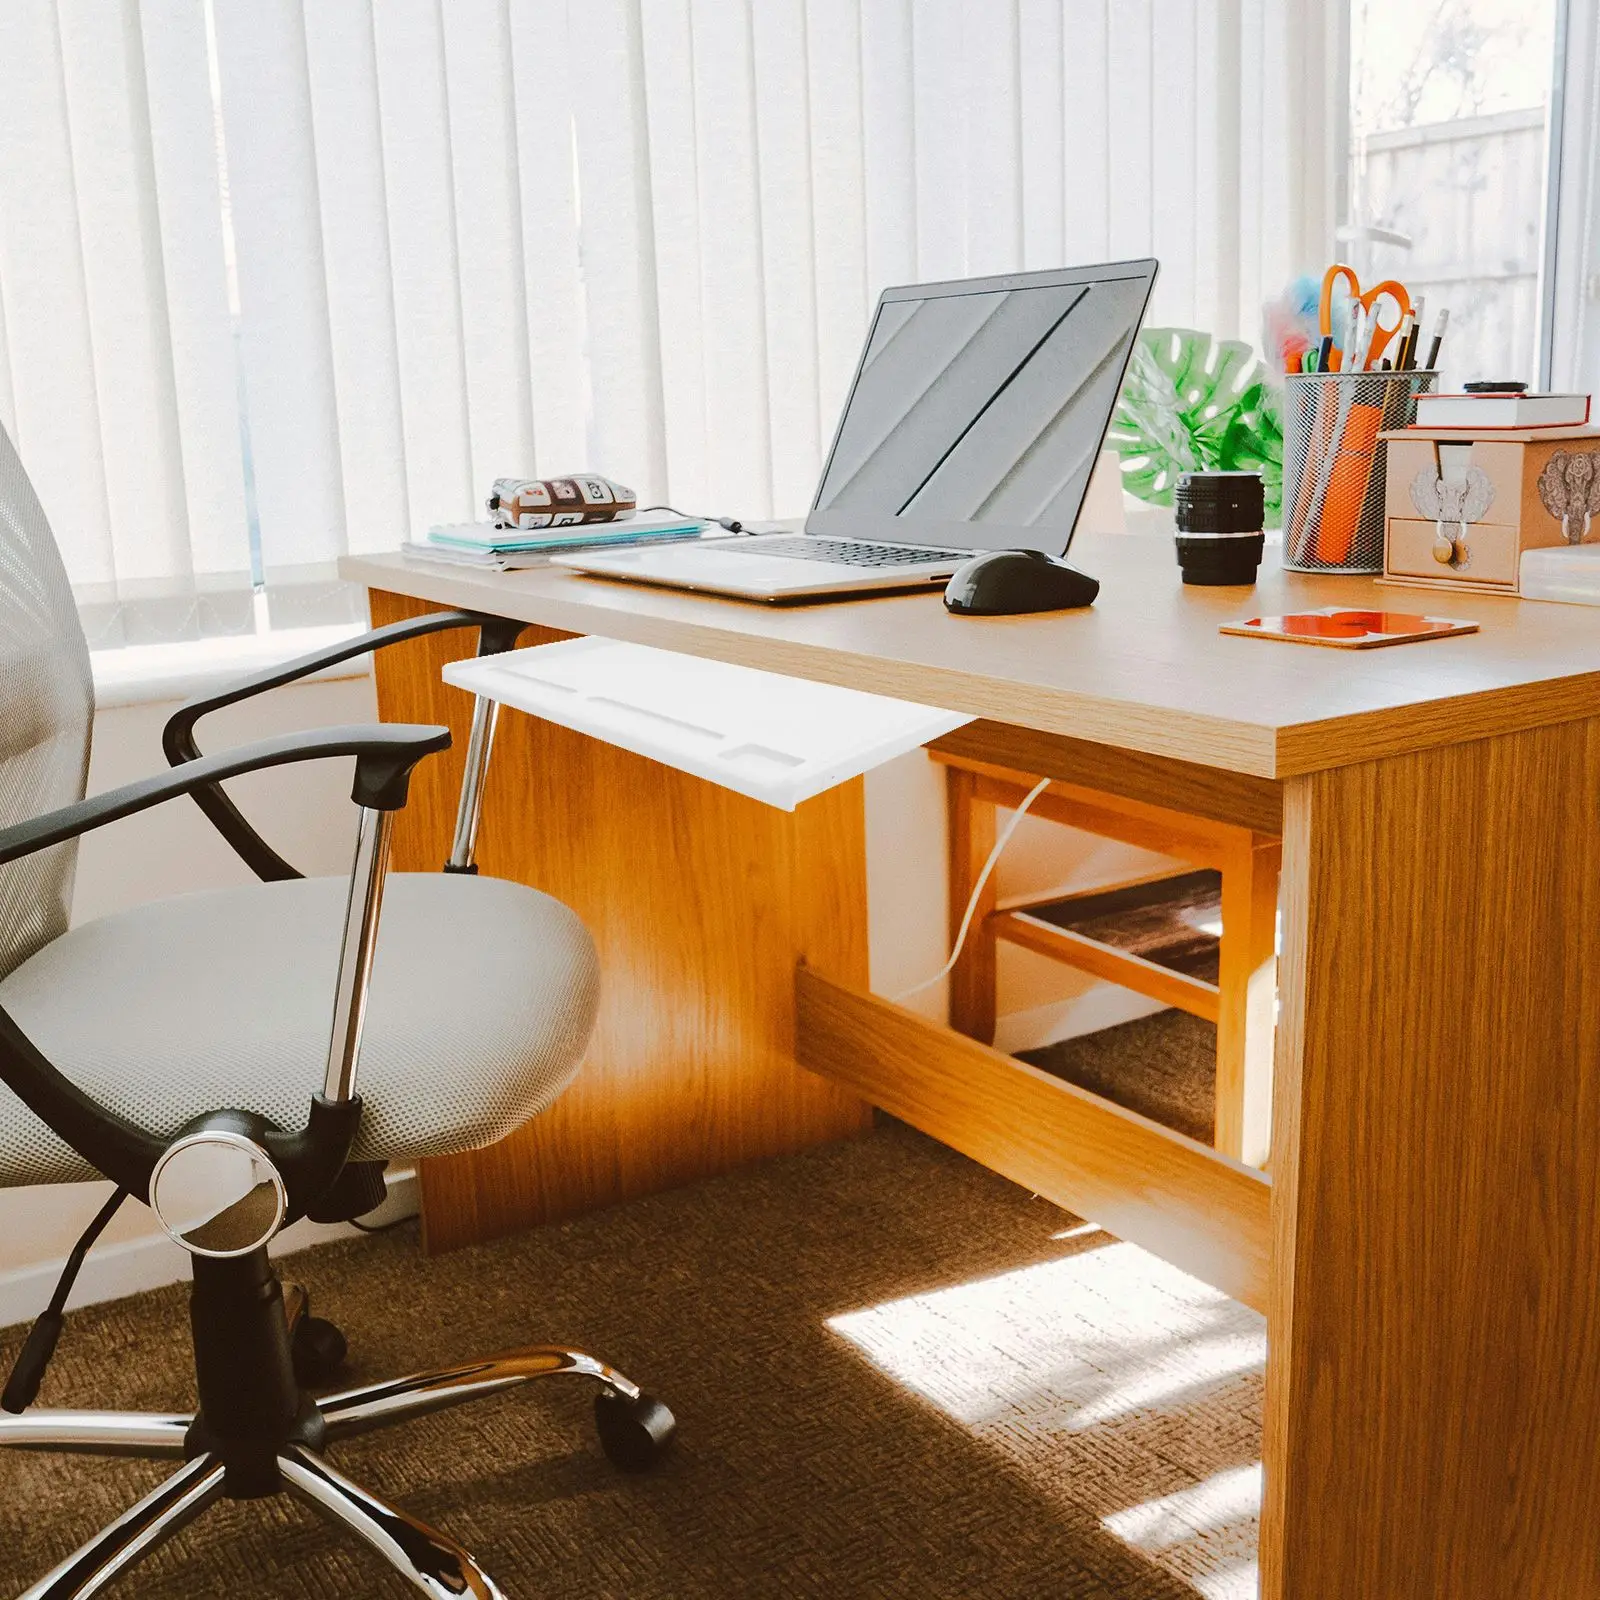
<point>1144,669</point>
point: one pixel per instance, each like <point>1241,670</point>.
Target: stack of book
<point>496,549</point>
<point>1507,408</point>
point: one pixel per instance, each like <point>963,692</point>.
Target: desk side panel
<point>1213,792</point>
<point>701,902</point>
<point>1433,1386</point>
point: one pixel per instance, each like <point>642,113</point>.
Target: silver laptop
<point>973,424</point>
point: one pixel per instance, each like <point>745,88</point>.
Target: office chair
<point>202,1052</point>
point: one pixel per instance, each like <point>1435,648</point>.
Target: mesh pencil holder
<point>1334,464</point>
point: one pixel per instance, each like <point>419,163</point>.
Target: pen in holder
<point>1334,465</point>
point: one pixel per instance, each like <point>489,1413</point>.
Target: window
<point>281,281</point>
<point>1448,179</point>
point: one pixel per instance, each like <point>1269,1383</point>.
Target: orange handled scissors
<point>1389,292</point>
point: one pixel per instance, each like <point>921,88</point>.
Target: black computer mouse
<point>1008,583</point>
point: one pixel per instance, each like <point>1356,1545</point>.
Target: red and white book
<point>1502,410</point>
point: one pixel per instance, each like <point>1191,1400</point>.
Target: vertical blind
<point>285,278</point>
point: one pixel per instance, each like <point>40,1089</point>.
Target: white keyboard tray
<point>776,739</point>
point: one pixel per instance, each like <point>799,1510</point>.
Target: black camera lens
<point>1219,517</point>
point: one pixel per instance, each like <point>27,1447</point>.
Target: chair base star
<point>257,1433</point>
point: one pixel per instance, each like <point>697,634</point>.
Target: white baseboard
<point>1102,1006</point>
<point>115,1270</point>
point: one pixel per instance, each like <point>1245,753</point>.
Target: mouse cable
<point>977,893</point>
<point>732,524</point>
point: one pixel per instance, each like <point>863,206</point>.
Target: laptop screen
<point>979,408</point>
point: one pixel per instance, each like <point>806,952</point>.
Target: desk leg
<point>1433,1384</point>
<point>973,979</point>
<point>1247,985</point>
<point>702,903</point>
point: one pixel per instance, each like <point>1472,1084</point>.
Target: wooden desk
<point>1428,1247</point>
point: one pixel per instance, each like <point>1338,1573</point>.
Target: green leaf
<point>1191,403</point>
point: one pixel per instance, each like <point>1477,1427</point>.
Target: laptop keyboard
<point>847,552</point>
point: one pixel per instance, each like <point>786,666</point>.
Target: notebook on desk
<point>974,421</point>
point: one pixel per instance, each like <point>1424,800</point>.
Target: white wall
<point>1037,1000</point>
<point>305,811</point>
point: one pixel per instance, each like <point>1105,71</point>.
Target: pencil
<point>1417,313</point>
<point>1438,338</point>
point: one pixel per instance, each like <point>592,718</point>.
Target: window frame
<point>1568,263</point>
<point>1571,348</point>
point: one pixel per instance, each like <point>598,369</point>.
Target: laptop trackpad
<point>746,569</point>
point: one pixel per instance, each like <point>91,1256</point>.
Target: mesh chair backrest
<point>46,704</point>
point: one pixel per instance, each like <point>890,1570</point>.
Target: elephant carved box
<point>1460,508</point>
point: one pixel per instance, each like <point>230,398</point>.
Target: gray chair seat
<point>482,1001</point>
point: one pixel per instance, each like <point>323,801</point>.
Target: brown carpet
<point>895,1374</point>
<point>1163,1067</point>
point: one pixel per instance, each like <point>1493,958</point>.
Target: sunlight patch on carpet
<point>1221,1513</point>
<point>1105,1377</point>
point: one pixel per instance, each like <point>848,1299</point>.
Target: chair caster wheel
<point>319,1349</point>
<point>633,1433</point>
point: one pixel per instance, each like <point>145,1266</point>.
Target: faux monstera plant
<point>1191,403</point>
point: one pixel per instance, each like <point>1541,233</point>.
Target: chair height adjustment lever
<point>28,1370</point>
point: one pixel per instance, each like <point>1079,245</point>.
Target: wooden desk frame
<point>1239,1003</point>
<point>1427,1249</point>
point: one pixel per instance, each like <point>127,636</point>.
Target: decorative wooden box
<point>1460,508</point>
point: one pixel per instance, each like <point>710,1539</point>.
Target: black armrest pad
<point>385,754</point>
<point>176,737</point>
